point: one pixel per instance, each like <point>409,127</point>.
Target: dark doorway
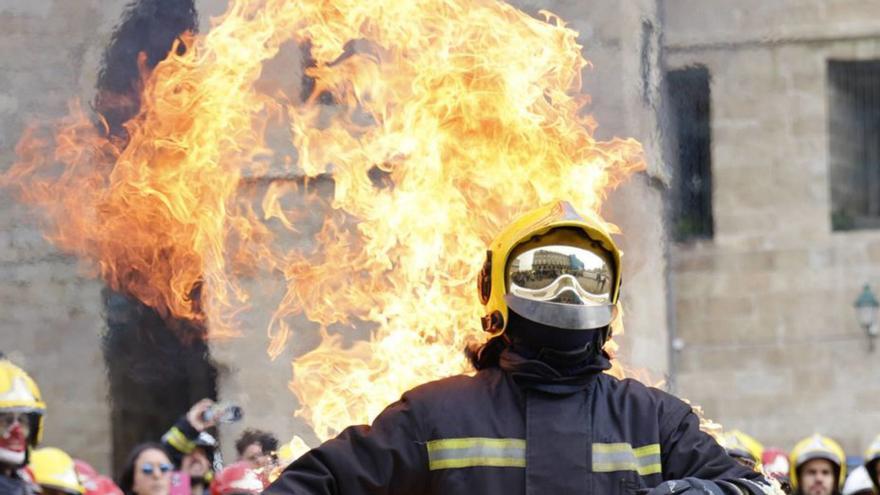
<point>155,372</point>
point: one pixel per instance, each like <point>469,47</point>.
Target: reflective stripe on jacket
<point>484,434</point>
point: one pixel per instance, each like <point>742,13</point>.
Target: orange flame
<point>450,118</point>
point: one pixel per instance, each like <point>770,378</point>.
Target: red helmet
<point>94,483</point>
<point>239,478</point>
<point>776,462</point>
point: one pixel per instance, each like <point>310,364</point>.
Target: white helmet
<point>858,482</point>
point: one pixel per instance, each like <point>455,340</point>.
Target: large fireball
<point>438,120</point>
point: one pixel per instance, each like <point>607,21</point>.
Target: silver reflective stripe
<point>452,453</point>
<point>610,457</point>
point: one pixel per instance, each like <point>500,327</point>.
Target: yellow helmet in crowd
<point>53,468</point>
<point>19,393</point>
<point>872,460</point>
<point>818,447</point>
<point>743,447</point>
<point>556,225</point>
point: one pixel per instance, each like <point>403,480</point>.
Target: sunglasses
<point>7,420</point>
<point>150,468</point>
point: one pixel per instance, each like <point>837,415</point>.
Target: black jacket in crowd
<point>523,429</point>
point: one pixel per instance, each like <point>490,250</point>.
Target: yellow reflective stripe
<point>650,469</point>
<point>465,443</point>
<point>178,440</point>
<point>652,449</point>
<point>476,462</point>
<point>450,453</point>
<point>610,457</point>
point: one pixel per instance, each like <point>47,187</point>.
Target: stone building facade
<point>53,317</point>
<point>764,311</point>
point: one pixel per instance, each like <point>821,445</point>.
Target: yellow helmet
<point>817,447</point>
<point>742,446</point>
<point>53,468</point>
<point>527,238</point>
<point>19,393</point>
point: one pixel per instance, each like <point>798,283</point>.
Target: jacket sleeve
<point>688,452</point>
<point>180,440</point>
<point>390,457</point>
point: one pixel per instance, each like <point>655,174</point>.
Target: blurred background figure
<point>147,471</point>
<point>858,483</point>
<point>240,478</point>
<point>194,450</point>
<point>744,448</point>
<point>776,465</point>
<point>257,447</point>
<point>872,462</point>
<point>55,473</point>
<point>21,426</point>
<point>818,466</point>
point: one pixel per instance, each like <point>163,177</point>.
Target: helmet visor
<point>561,274</point>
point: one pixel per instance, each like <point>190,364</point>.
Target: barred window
<point>691,134</point>
<point>854,143</point>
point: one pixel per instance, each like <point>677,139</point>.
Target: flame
<point>449,118</point>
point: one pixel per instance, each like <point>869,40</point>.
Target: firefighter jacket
<point>16,485</point>
<point>180,440</point>
<point>508,430</point>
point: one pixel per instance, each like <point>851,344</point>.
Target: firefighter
<point>55,472</point>
<point>194,450</point>
<point>858,483</point>
<point>539,416</point>
<point>21,426</point>
<point>818,466</point>
<point>872,462</point>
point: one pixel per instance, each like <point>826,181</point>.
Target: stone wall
<point>764,309</point>
<point>50,316</point>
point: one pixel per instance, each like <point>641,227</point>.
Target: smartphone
<point>180,483</point>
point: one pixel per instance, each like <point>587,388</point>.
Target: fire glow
<point>469,112</point>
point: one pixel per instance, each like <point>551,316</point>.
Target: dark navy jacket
<point>485,434</point>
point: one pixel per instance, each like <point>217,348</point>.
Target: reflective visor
<point>561,286</point>
<point>561,274</point>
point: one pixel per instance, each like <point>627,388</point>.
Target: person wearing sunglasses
<point>147,471</point>
<point>540,416</point>
<point>21,427</point>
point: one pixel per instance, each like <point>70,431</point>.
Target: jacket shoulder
<point>457,387</point>
<point>668,407</point>
<point>460,398</point>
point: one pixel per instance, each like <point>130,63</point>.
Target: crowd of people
<point>185,461</point>
<point>817,464</point>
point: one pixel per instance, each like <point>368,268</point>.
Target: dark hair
<point>126,479</point>
<point>486,355</point>
<point>267,441</point>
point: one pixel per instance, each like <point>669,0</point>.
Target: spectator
<point>192,448</point>
<point>858,483</point>
<point>256,447</point>
<point>818,466</point>
<point>147,471</point>
<point>21,425</point>
<point>872,462</point>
